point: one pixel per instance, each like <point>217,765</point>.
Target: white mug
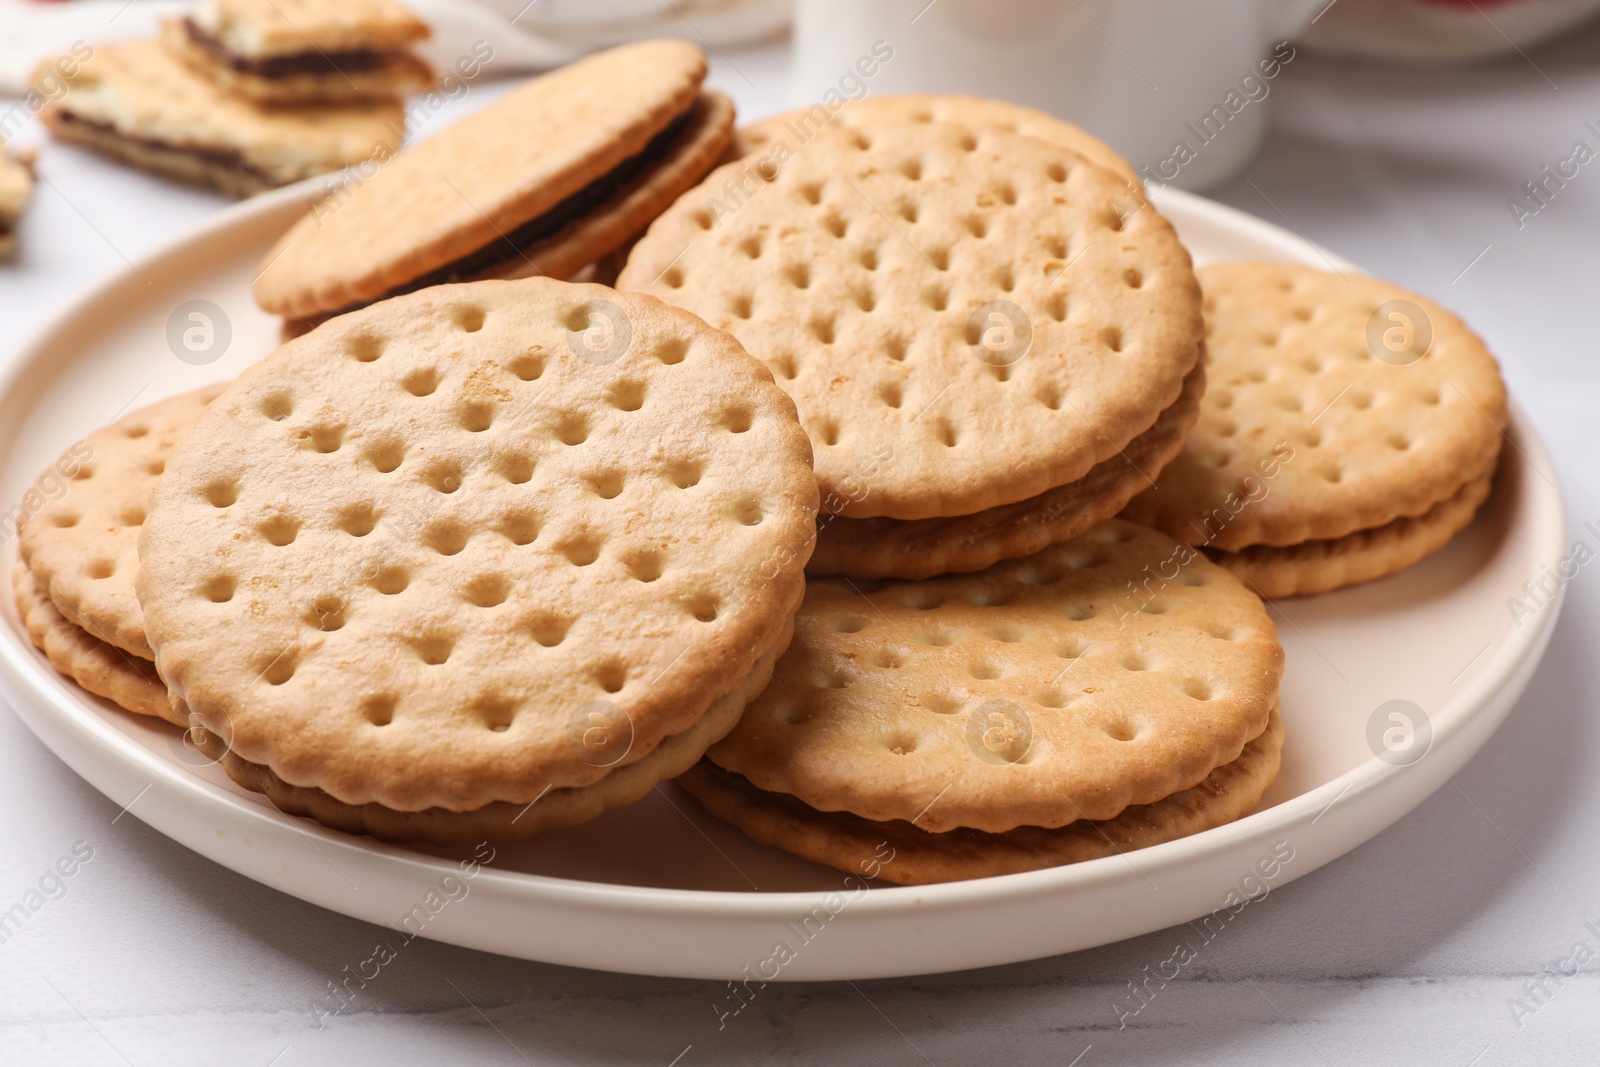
<point>1179,87</point>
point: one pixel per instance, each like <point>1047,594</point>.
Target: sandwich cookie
<point>304,51</point>
<point>924,548</point>
<point>1027,700</point>
<point>482,559</point>
<point>136,102</point>
<point>82,543</point>
<point>78,554</point>
<point>98,668</point>
<point>905,854</point>
<point>544,181</point>
<point>967,319</point>
<point>1351,429</point>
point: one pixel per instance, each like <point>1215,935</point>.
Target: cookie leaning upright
<point>965,318</point>
<point>546,180</point>
<point>479,546</point>
<point>303,51</point>
<point>1351,428</point>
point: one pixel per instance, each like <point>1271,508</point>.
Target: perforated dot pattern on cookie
<point>1311,429</point>
<point>82,542</point>
<point>1113,669</point>
<point>795,128</point>
<point>871,275</point>
<point>924,548</point>
<point>401,557</point>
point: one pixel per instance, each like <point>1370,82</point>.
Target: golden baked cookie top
<point>82,544</point>
<point>965,318</point>
<point>1114,669</point>
<point>403,558</point>
<point>1336,403</point>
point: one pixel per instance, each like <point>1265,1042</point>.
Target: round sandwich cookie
<point>99,668</point>
<point>925,548</point>
<point>1107,672</point>
<point>966,318</point>
<point>903,853</point>
<point>82,542</point>
<point>482,559</point>
<point>1351,428</point>
<point>793,129</point>
<point>546,180</point>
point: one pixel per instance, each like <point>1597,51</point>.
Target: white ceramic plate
<point>661,888</point>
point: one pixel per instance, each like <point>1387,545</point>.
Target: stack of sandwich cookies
<point>16,188</point>
<point>564,170</point>
<point>968,319</point>
<point>1037,713</point>
<point>78,553</point>
<point>1351,429</point>
<point>135,102</point>
<point>304,51</point>
<point>462,564</point>
<point>772,140</point>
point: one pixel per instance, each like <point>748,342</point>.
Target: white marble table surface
<point>1408,950</point>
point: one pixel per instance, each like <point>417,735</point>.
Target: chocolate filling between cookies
<point>514,245</point>
<point>221,157</point>
<point>347,61</point>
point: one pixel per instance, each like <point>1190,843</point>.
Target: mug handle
<point>1284,19</point>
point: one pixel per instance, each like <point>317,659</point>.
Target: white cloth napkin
<point>527,34</point>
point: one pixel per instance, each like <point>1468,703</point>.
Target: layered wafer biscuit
<point>136,102</point>
<point>304,51</point>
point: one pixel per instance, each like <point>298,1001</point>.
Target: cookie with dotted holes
<point>548,178</point>
<point>553,809</point>
<point>923,548</point>
<point>839,839</point>
<point>99,668</point>
<point>1335,404</point>
<point>82,545</point>
<point>1114,669</point>
<point>796,128</point>
<point>965,318</point>
<point>437,553</point>
<point>1321,566</point>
